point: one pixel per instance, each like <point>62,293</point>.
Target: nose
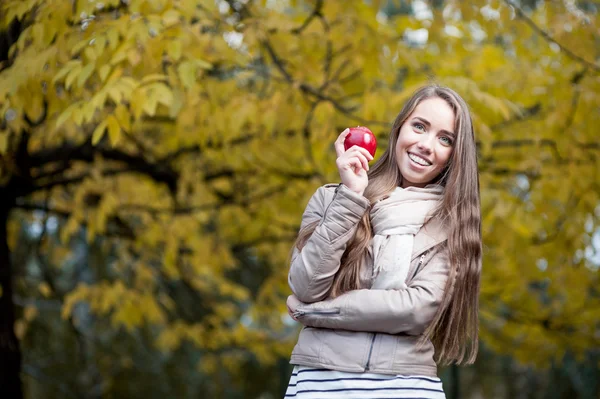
<point>425,143</point>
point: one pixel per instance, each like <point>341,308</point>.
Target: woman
<point>385,270</point>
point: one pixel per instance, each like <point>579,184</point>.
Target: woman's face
<point>425,142</point>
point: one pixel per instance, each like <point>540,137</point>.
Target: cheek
<point>444,156</point>
<point>403,140</point>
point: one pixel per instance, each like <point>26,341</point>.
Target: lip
<point>420,156</point>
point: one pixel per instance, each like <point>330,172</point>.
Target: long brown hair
<point>454,329</point>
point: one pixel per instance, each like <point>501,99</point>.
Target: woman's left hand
<point>292,304</point>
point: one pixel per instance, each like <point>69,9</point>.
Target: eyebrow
<point>426,122</point>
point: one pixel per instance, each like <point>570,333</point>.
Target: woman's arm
<point>407,311</point>
<point>313,268</point>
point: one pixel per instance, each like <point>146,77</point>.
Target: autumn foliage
<point>181,139</point>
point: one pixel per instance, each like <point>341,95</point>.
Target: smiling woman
<point>385,271</point>
<point>425,142</point>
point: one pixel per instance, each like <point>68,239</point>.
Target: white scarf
<point>395,221</point>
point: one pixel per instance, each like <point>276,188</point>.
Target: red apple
<point>362,137</point>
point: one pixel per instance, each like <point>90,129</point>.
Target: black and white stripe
<point>311,383</point>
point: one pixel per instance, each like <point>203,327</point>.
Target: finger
<point>355,164</point>
<point>359,161</point>
<point>361,150</point>
<point>364,161</point>
<point>339,143</point>
<point>290,313</point>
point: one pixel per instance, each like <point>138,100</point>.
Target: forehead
<point>437,112</point>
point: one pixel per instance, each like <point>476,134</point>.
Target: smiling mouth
<point>418,160</point>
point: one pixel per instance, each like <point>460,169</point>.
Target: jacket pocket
<point>309,344</point>
<point>345,350</point>
<point>409,353</point>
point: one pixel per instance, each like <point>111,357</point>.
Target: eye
<point>419,126</point>
<point>446,140</point>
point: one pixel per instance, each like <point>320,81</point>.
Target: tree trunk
<point>10,352</point>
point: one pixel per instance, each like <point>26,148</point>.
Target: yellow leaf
<point>79,46</point>
<point>104,71</point>
<point>170,18</point>
<point>168,340</point>
<point>20,329</point>
<point>45,289</point>
<point>119,56</point>
<point>187,73</point>
<point>66,114</point>
<point>122,116</point>
<point>90,54</point>
<point>155,77</point>
<point>115,94</point>
<point>99,132</point>
<point>74,73</point>
<point>3,142</point>
<point>134,56</point>
<point>65,70</point>
<point>174,50</point>
<point>178,102</point>
<point>150,103</point>
<point>100,44</point>
<point>202,64</point>
<point>114,130</point>
<point>163,94</point>
<point>85,74</point>
<point>30,312</point>
<point>138,100</point>
<point>113,38</point>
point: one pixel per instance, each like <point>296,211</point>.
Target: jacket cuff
<point>324,314</point>
<point>344,212</point>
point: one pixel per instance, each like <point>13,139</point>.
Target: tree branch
<point>307,89</point>
<point>315,13</point>
<point>160,172</point>
<point>549,38</point>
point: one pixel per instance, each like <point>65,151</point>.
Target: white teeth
<point>419,160</point>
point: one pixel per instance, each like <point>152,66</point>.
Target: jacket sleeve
<point>313,268</point>
<point>407,311</point>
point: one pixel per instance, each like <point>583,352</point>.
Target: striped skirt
<point>311,383</point>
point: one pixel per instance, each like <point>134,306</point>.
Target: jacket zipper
<point>367,366</point>
<point>300,313</point>
<point>419,264</point>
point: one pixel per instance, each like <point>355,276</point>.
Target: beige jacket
<point>363,330</point>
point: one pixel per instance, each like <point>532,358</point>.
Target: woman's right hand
<point>352,164</point>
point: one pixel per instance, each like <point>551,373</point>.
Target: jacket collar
<point>431,234</point>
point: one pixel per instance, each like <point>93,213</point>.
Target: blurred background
<point>156,157</point>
